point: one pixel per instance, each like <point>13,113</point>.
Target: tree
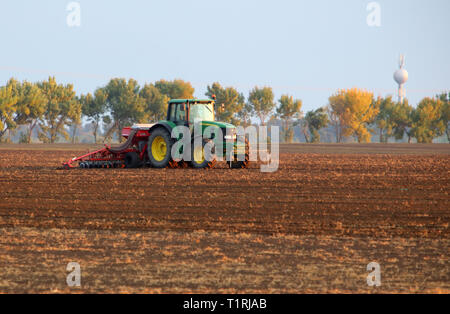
<point>355,111</point>
<point>124,103</point>
<point>384,119</point>
<point>155,102</point>
<point>289,109</point>
<point>108,126</point>
<point>426,120</point>
<point>261,102</point>
<point>336,114</point>
<point>61,109</point>
<point>94,107</point>
<point>229,102</point>
<point>402,120</point>
<point>245,115</point>
<point>445,113</point>
<point>30,106</point>
<point>8,102</point>
<point>73,129</point>
<point>314,121</point>
<point>75,121</point>
<point>176,89</point>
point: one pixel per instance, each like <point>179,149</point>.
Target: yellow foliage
<point>427,120</point>
<point>355,111</point>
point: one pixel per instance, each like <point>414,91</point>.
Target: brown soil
<point>311,226</point>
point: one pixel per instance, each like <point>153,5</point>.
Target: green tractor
<point>191,122</point>
<point>197,115</point>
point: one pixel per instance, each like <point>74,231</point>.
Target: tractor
<point>151,144</point>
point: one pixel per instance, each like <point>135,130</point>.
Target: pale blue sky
<point>307,49</point>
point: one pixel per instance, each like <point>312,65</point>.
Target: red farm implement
<point>131,154</point>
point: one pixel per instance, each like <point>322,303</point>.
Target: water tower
<point>401,76</point>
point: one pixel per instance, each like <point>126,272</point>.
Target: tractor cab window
<point>172,111</point>
<point>177,112</point>
<point>202,112</point>
<point>181,112</point>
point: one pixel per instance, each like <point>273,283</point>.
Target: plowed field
<point>312,226</point>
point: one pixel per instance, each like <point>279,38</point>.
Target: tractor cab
<point>188,111</point>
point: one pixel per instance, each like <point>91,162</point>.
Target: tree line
<point>55,112</point>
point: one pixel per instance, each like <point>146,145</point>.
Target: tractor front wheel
<point>159,148</point>
<point>203,155</point>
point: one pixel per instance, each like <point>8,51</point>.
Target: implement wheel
<point>159,148</point>
<point>132,160</point>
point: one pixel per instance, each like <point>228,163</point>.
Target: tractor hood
<point>222,125</point>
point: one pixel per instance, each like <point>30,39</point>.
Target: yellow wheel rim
<point>199,156</point>
<point>159,148</point>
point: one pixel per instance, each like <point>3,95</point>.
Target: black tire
<point>132,160</point>
<point>241,164</point>
<point>154,160</point>
<point>208,161</point>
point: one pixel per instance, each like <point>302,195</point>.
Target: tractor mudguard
<point>168,125</point>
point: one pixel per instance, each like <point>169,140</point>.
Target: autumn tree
<point>124,103</point>
<point>314,121</point>
<point>445,112</point>
<point>229,102</point>
<point>93,108</point>
<point>336,114</point>
<point>61,109</point>
<point>8,102</point>
<point>29,107</point>
<point>402,120</point>
<point>107,126</point>
<point>426,120</point>
<point>288,110</point>
<point>384,119</point>
<point>75,122</point>
<point>155,102</point>
<point>176,89</point>
<point>245,114</point>
<point>355,112</point>
<point>261,102</point>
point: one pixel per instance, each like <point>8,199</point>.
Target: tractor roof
<point>179,101</point>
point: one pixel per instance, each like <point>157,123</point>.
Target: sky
<point>307,49</point>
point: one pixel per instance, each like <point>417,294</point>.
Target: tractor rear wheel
<point>201,160</point>
<point>159,148</point>
<point>242,164</point>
